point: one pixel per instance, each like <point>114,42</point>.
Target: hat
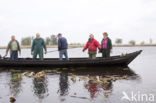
<point>59,34</point>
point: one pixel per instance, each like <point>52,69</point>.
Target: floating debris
<point>86,84</point>
<point>17,76</point>
<point>73,78</point>
<point>31,74</point>
<point>12,99</point>
<point>105,82</point>
<point>41,74</point>
<point>25,74</point>
<point>83,78</point>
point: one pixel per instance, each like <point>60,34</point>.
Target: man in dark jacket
<point>106,46</point>
<point>37,47</point>
<point>14,47</point>
<point>62,47</point>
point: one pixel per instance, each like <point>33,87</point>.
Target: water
<point>75,85</point>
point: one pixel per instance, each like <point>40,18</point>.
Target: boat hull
<point>73,62</point>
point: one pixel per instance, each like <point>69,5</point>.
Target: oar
<point>57,50</point>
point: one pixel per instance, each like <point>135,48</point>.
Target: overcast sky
<point>75,19</point>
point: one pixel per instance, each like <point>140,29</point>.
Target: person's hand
<point>99,51</point>
<point>32,53</point>
<point>45,52</point>
<point>19,53</point>
<point>111,51</point>
<point>6,54</point>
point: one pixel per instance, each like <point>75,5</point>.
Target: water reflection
<point>98,81</point>
<point>63,84</point>
<point>40,87</point>
<point>15,84</point>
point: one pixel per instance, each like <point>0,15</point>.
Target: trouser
<point>92,54</point>
<point>65,53</point>
<point>40,53</point>
<point>14,55</point>
<point>105,53</point>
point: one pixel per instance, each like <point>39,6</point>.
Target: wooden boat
<point>120,60</point>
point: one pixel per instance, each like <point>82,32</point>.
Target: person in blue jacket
<point>62,47</point>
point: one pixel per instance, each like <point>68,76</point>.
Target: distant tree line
<point>119,41</point>
<point>27,41</point>
<point>52,40</point>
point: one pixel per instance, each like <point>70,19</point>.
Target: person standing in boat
<point>106,46</point>
<point>37,47</point>
<point>14,47</point>
<point>62,47</point>
<point>92,46</point>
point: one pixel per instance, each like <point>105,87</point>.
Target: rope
<point>57,50</point>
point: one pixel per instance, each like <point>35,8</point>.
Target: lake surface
<point>81,84</point>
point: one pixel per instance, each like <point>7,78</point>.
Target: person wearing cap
<point>62,47</point>
<point>14,47</point>
<point>106,46</point>
<point>37,47</point>
<point>92,46</point>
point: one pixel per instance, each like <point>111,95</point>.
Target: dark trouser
<point>92,54</point>
<point>14,55</point>
<point>40,53</point>
<point>65,53</point>
<point>105,53</point>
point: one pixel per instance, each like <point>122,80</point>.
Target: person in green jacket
<point>37,47</point>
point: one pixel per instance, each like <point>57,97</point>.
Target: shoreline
<point>80,46</point>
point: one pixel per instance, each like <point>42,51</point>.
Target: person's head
<point>37,35</point>
<point>59,35</point>
<point>12,37</point>
<point>105,35</point>
<point>91,36</point>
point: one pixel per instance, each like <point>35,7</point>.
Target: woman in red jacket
<point>92,46</point>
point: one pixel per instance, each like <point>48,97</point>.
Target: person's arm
<point>8,48</point>
<point>19,48</point>
<point>59,44</point>
<point>101,44</point>
<point>67,43</point>
<point>44,46</point>
<point>110,46</point>
<point>32,47</point>
<point>86,46</point>
<point>98,44</point>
